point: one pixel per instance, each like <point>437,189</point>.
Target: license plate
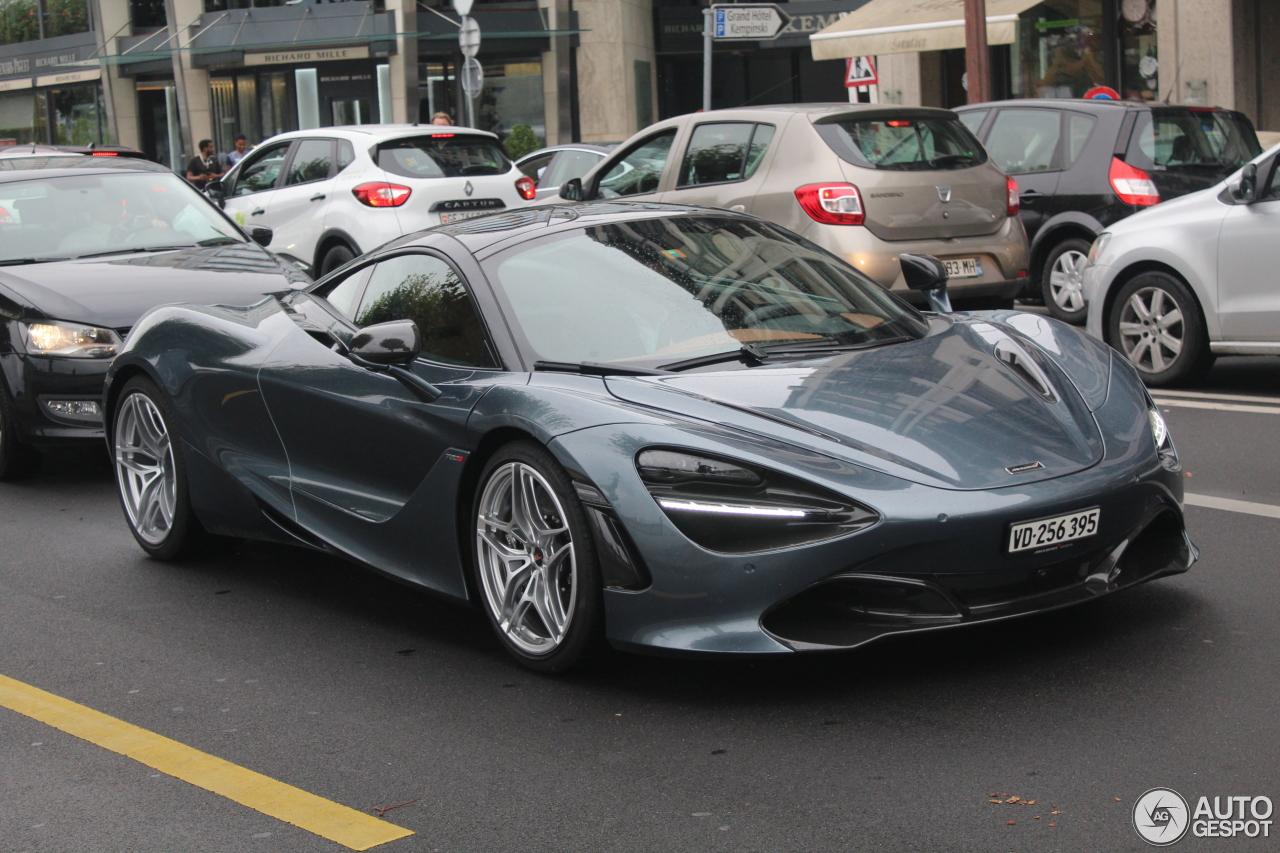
<point>964,267</point>
<point>446,218</point>
<point>1047,532</point>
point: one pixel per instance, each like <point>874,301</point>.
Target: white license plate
<point>446,218</point>
<point>964,267</point>
<point>1047,532</point>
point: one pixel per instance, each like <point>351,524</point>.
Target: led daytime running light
<point>730,509</point>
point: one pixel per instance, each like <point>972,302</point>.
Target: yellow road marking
<point>346,826</point>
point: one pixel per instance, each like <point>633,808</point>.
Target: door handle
<point>317,197</point>
<point>257,212</point>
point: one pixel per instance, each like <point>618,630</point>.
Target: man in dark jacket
<point>203,167</point>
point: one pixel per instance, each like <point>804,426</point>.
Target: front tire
<point>17,458</point>
<point>535,563</point>
<point>1062,281</point>
<point>151,474</point>
<point>1156,323</point>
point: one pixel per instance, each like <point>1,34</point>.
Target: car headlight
<point>737,508</point>
<point>73,340</point>
<point>1164,442</point>
<point>1098,247</point>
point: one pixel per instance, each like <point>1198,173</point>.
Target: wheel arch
<point>333,237</point>
<point>1049,236</point>
<point>1133,271</point>
<point>119,378</point>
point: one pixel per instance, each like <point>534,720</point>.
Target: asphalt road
<point>322,675</point>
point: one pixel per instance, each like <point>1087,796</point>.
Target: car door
<point>297,207</point>
<point>1248,257</point>
<point>721,165</point>
<point>374,466</point>
<point>568,163</point>
<point>1024,143</point>
<point>640,171</point>
<point>248,198</point>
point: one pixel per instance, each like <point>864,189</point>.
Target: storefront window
<point>78,113</point>
<point>147,14</point>
<point>1060,51</point>
<point>17,118</point>
<point>20,19</point>
<point>512,95</point>
<point>1139,66</point>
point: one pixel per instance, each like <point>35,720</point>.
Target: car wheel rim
<point>526,557</point>
<point>144,468</point>
<point>1152,330</point>
<point>1066,281</point>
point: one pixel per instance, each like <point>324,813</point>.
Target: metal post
<point>708,26</point>
<point>977,60</point>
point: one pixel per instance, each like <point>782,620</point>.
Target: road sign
<point>860,71</point>
<point>462,7</point>
<point>747,21</point>
<point>469,37</point>
<point>1102,93</point>
<point>472,77</point>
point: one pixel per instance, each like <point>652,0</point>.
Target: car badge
<point>468,189</point>
<point>1024,468</point>
<point>944,193</point>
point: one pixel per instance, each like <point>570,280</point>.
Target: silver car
<point>867,182</point>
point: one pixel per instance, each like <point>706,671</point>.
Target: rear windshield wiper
<point>591,368</point>
<point>8,262</point>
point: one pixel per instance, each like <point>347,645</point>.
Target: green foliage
<point>20,19</point>
<point>520,141</point>
<point>447,324</point>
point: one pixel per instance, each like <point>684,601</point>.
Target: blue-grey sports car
<point>671,428</point>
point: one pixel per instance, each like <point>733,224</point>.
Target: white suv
<point>332,193</point>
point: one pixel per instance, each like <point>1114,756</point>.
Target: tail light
<point>381,194</point>
<point>1133,185</point>
<point>1011,196</point>
<point>105,154</point>
<point>832,204</point>
<point>527,188</point>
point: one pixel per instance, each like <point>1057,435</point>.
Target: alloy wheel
<point>145,468</point>
<point>1152,329</point>
<point>526,558</point>
<point>1066,281</point>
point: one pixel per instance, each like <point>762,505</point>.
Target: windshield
<point>904,143</point>
<point>656,291</point>
<point>1173,138</point>
<point>90,214</point>
<point>443,155</point>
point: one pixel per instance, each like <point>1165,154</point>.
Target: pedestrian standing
<point>236,154</point>
<point>203,167</point>
<point>442,118</point>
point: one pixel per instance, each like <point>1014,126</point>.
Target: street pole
<point>977,60</point>
<point>708,27</point>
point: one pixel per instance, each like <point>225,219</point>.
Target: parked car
<point>84,251</point>
<point>1083,165</point>
<point>867,182</point>
<point>36,149</point>
<point>331,193</point>
<point>677,429</point>
<point>1194,278</point>
<point>551,167</point>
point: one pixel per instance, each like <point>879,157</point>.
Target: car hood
<point>944,411</point>
<point>115,291</point>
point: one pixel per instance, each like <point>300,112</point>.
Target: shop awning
<point>910,26</point>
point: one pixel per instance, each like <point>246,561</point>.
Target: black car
<point>87,245</point>
<point>1082,165</point>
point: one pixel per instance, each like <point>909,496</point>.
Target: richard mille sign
<point>317,54</point>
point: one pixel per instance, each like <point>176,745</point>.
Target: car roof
<point>25,149</point>
<point>60,165</point>
<point>571,146</point>
<point>1095,104</point>
<point>815,112</point>
<point>364,133</point>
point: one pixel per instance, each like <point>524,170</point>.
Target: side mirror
<point>1246,190</point>
<point>928,275</point>
<point>571,190</point>
<point>216,192</point>
<point>384,344</point>
<point>261,235</point>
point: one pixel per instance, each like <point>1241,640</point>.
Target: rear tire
<point>1156,323</point>
<point>151,474</point>
<point>535,564</point>
<point>1062,281</point>
<point>17,458</point>
<point>334,258</point>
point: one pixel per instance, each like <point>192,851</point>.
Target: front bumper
<point>34,382</point>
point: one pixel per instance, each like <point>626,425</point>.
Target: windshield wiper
<point>832,346</point>
<point>218,241</point>
<point>8,262</point>
<point>136,250</point>
<point>591,368</point>
<point>749,353</point>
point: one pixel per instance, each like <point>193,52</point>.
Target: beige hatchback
<point>867,182</point>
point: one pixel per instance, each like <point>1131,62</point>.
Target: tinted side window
<point>343,294</point>
<point>310,162</point>
<point>346,154</point>
<point>426,290</point>
<point>262,172</point>
<point>536,167</point>
<point>1079,126</point>
<point>973,119</point>
<point>640,170</point>
<point>716,154</point>
<point>1023,141</point>
<point>570,164</point>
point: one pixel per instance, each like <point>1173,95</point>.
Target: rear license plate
<point>1046,532</point>
<point>446,218</point>
<point>964,267</point>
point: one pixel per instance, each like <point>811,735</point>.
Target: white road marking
<point>1233,505</point>
<point>1221,407</point>
<point>1207,395</point>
